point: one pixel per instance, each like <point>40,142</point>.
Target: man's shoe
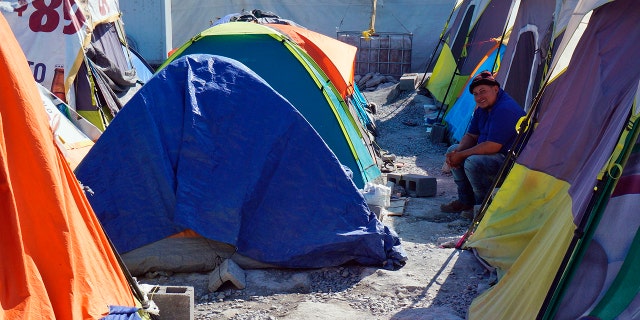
<point>455,207</point>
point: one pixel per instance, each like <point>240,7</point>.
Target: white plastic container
<point>377,194</point>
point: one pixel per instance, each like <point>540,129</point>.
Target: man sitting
<point>476,161</point>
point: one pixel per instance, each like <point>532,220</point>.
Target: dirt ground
<point>437,282</point>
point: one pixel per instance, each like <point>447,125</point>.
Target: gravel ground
<point>438,282</point>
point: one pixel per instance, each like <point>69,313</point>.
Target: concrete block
<point>394,177</point>
<point>418,185</point>
<point>408,81</point>
<point>174,302</point>
<point>415,185</point>
<point>227,271</point>
<point>391,185</point>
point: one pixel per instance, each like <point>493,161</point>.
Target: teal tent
<point>296,76</point>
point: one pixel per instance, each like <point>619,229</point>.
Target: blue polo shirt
<point>498,124</point>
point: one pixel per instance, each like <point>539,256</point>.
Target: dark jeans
<point>476,176</point>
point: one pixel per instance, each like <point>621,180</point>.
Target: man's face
<point>485,95</point>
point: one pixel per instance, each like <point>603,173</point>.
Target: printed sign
<point>51,32</point>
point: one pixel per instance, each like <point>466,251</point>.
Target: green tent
<point>295,75</point>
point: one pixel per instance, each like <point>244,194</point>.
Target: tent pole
<point>504,33</point>
<point>456,72</point>
<point>372,24</point>
<point>133,285</point>
<point>440,41</point>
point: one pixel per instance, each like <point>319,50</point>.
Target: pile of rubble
<point>372,81</point>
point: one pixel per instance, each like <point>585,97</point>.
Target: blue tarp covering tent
<point>288,69</point>
<point>207,145</point>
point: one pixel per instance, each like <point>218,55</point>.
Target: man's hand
<point>454,159</point>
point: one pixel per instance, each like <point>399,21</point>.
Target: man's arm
<point>487,147</point>
<point>468,140</point>
<point>468,147</point>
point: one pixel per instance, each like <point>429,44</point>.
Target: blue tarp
<point>207,145</point>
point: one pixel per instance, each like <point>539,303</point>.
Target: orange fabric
<point>188,233</point>
<point>55,261</point>
<point>336,58</point>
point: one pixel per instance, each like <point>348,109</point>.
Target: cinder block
<point>174,303</point>
<point>227,271</point>
<point>394,177</point>
<point>408,81</point>
<point>418,185</point>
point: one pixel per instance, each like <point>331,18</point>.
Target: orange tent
<point>338,61</point>
<point>336,58</point>
<point>56,262</point>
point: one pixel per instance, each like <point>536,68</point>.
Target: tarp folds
<point>209,146</point>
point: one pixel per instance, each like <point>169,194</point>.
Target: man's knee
<point>474,162</point>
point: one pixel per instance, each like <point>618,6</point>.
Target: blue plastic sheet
<point>207,145</point>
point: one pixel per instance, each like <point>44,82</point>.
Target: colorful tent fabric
<point>294,74</point>
<point>209,146</point>
<point>478,26</point>
<point>56,261</point>
<point>526,57</point>
<point>338,61</point>
<point>562,182</point>
<point>336,58</point>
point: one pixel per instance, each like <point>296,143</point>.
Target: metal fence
<point>385,52</point>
